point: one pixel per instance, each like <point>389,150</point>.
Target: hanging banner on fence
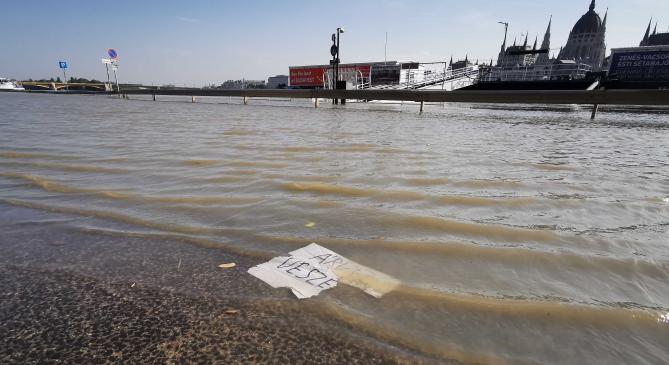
<point>641,65</point>
<point>312,269</point>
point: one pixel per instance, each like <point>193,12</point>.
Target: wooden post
<point>421,106</point>
<point>246,100</point>
<point>315,102</point>
<point>192,98</point>
<point>154,97</point>
<point>595,108</point>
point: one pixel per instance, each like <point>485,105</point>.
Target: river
<point>518,236</point>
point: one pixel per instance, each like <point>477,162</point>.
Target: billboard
<point>307,76</point>
<point>315,76</point>
<point>640,65</point>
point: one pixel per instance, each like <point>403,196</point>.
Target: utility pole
<point>385,51</point>
<point>340,30</point>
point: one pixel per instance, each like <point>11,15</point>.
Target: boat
<point>9,85</point>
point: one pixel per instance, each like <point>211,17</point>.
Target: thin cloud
<point>187,19</point>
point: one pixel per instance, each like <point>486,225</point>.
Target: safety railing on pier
<point>592,97</point>
<point>417,79</point>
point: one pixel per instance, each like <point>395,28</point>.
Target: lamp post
<point>501,62</point>
<point>340,30</point>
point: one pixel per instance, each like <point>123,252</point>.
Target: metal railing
<point>537,72</point>
<point>417,79</point>
<point>619,97</point>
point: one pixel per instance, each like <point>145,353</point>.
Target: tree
<point>58,80</point>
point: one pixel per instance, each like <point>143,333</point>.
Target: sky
<point>202,42</point>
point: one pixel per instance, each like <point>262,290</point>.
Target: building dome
<point>586,43</point>
<point>590,22</point>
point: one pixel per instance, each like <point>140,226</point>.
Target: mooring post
<point>595,108</point>
<point>421,106</point>
<point>192,98</point>
<point>315,102</point>
<point>154,97</point>
<point>246,100</point>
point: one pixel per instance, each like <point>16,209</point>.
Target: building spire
<point>526,34</point>
<point>655,30</point>
<point>514,41</point>
<point>546,44</point>
<point>606,15</point>
<point>645,37</point>
<point>592,5</point>
<point>536,39</point>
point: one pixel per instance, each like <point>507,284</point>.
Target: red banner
<point>307,76</point>
<point>314,76</point>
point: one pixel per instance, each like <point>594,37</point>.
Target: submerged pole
<point>421,106</point>
<point>595,108</point>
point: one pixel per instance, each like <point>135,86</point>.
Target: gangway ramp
<point>430,79</point>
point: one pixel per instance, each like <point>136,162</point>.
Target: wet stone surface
<point>57,317</point>
<point>70,296</point>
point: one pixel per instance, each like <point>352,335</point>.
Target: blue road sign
<point>112,53</point>
<point>62,64</point>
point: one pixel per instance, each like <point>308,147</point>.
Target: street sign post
<point>115,68</point>
<point>107,62</point>
<point>112,60</point>
<point>63,66</point>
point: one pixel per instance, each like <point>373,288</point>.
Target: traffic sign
<point>106,61</point>
<point>334,50</point>
<point>112,53</point>
<point>62,64</point>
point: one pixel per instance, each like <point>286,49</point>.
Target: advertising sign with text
<point>640,65</point>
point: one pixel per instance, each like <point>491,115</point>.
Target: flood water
<point>519,236</point>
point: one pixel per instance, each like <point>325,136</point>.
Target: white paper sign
<point>314,268</point>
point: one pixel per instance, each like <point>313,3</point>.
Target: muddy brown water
<point>519,236</point>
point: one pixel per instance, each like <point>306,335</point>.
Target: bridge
<point>61,86</point>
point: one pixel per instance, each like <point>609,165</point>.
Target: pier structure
<point>595,97</point>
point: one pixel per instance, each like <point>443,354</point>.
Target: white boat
<point>9,85</point>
